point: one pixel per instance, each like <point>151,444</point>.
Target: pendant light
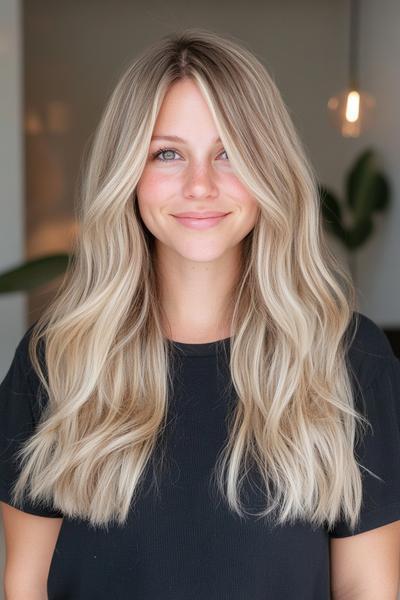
<point>351,110</point>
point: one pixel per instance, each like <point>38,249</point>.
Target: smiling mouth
<point>200,215</point>
<point>200,223</point>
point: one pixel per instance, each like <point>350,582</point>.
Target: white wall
<point>12,307</point>
<point>379,262</point>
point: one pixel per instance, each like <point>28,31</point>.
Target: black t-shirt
<point>183,542</point>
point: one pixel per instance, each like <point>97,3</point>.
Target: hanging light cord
<point>354,38</point>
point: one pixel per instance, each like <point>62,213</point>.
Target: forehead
<point>184,116</point>
<point>177,138</point>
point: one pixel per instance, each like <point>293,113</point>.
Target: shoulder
<point>369,350</point>
<point>21,388</point>
<point>22,350</point>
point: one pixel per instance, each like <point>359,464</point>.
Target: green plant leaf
<point>367,192</point>
<point>357,235</point>
<point>367,188</point>
<point>355,179</point>
<point>33,273</point>
<point>332,212</point>
<point>381,193</point>
<point>330,205</point>
<point>372,196</point>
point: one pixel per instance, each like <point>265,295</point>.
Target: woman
<point>202,386</point>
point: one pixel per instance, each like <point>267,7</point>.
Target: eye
<point>156,155</point>
<point>161,151</point>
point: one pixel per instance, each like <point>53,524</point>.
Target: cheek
<point>154,188</point>
<point>244,197</point>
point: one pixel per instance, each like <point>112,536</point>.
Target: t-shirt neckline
<point>203,349</point>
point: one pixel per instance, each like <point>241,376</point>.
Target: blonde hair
<point>105,352</point>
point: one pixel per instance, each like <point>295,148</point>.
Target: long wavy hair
<point>106,365</point>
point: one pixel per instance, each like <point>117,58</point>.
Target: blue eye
<point>156,155</point>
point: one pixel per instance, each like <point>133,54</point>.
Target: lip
<point>200,223</point>
<point>200,214</point>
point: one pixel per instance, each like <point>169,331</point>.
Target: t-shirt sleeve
<point>19,414</point>
<point>379,448</point>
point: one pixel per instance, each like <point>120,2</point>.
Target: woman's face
<point>192,173</point>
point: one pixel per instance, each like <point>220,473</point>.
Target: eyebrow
<point>176,138</point>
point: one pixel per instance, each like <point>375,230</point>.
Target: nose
<point>200,181</point>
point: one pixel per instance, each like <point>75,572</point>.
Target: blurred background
<point>59,61</point>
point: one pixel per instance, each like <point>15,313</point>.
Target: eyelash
<point>154,155</point>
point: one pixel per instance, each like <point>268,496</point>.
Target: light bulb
<point>351,111</point>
